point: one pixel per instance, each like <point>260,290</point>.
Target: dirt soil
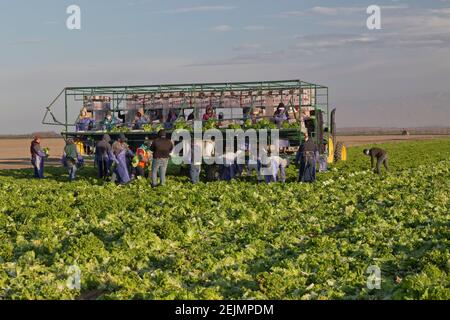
<point>15,153</point>
<point>367,140</point>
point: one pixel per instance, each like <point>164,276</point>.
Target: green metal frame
<point>119,94</point>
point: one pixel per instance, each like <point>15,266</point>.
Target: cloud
<point>441,11</point>
<point>252,58</point>
<point>412,28</point>
<point>247,46</point>
<point>332,11</point>
<point>292,13</point>
<point>138,2</point>
<point>256,28</point>
<point>200,9</point>
<point>418,23</point>
<point>320,42</point>
<point>310,44</point>
<point>222,28</point>
<point>27,42</point>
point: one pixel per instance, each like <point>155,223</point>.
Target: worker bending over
<point>380,155</point>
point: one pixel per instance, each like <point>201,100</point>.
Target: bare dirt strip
<point>367,140</point>
<point>15,153</point>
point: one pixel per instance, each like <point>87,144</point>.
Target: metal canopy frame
<point>118,94</point>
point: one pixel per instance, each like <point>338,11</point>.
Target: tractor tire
<point>330,148</point>
<point>340,153</point>
<point>212,173</point>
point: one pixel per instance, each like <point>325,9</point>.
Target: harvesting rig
<point>307,107</point>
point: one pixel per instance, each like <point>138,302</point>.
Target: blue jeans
<point>282,175</point>
<point>195,173</point>
<point>228,172</point>
<point>103,167</point>
<point>72,172</point>
<point>159,167</point>
<point>38,164</point>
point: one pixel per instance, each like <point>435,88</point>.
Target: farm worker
<point>139,121</point>
<point>279,166</point>
<point>130,158</point>
<point>252,161</point>
<point>323,159</point>
<point>380,155</point>
<point>120,153</point>
<point>209,114</point>
<point>323,162</point>
<point>239,167</point>
<point>254,116</point>
<point>273,166</point>
<point>161,148</point>
<point>103,156</point>
<point>266,166</point>
<point>191,116</point>
<point>228,167</point>
<point>280,115</point>
<point>141,160</point>
<point>37,157</point>
<point>109,122</point>
<point>196,160</point>
<point>171,118</point>
<point>306,158</point>
<point>71,156</point>
<point>85,123</point>
<point>221,122</point>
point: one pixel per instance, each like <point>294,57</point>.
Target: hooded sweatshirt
<point>71,150</point>
<point>103,147</point>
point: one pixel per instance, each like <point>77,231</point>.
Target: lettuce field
<point>238,240</point>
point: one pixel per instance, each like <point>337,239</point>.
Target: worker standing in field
<point>161,148</point>
<point>381,157</point>
<point>196,160</point>
<point>71,158</point>
<point>306,159</point>
<point>141,160</point>
<point>120,152</point>
<point>279,166</point>
<point>103,156</point>
<point>38,156</point>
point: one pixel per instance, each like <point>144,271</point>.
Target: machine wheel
<point>340,154</point>
<point>212,173</point>
<point>330,158</point>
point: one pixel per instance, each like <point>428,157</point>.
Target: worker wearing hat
<point>161,148</point>
<point>110,122</point>
<point>103,156</point>
<point>139,121</point>
<point>381,158</point>
<point>142,158</point>
<point>71,156</point>
<point>280,115</point>
<point>38,156</point>
<point>306,159</point>
<point>121,152</point>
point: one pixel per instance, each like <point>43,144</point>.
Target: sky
<point>398,76</point>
